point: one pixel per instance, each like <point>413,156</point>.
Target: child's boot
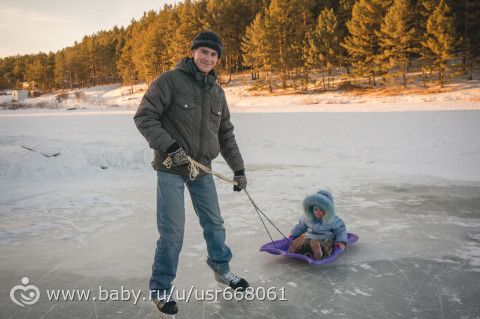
<point>296,244</point>
<point>316,249</point>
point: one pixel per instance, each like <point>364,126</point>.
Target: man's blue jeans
<point>171,224</point>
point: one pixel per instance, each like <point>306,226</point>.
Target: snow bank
<point>441,144</point>
<point>241,100</point>
<point>84,149</point>
<point>94,98</point>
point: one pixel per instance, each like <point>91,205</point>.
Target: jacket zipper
<point>202,126</point>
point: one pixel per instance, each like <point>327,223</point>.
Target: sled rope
<point>194,168</point>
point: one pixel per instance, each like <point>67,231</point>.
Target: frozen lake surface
<point>407,183</point>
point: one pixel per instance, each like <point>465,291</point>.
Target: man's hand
<point>241,180</point>
<point>177,154</point>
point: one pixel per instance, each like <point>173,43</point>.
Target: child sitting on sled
<point>319,230</point>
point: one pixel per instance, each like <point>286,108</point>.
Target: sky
<point>31,26</point>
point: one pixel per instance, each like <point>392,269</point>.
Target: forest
<point>280,43</point>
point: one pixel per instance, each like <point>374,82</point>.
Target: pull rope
<point>194,167</point>
<point>168,162</point>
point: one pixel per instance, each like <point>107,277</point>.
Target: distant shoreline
<point>116,99</point>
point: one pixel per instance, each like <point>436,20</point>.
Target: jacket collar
<point>187,65</point>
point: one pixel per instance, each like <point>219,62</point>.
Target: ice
<point>407,183</point>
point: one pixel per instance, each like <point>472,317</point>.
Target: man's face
<point>205,58</point>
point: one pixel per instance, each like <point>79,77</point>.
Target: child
<point>320,230</point>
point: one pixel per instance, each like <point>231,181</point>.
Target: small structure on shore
<point>19,95</point>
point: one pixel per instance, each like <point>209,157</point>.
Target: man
<point>185,113</point>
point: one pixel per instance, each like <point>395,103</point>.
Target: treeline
<point>274,39</point>
<point>92,61</point>
<point>369,38</point>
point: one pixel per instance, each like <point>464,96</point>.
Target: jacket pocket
<point>216,111</point>
<point>184,102</point>
<point>215,118</point>
<point>185,114</point>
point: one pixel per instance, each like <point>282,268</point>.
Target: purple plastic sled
<point>280,247</point>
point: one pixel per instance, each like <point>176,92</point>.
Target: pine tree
<point>78,65</point>
<point>19,69</point>
<point>91,55</point>
<point>146,46</point>
<point>40,71</point>
<point>426,8</point>
<point>125,65</point>
<point>120,38</point>
<point>140,54</point>
<point>439,40</point>
<point>398,38</point>
<point>471,36</point>
<point>117,44</point>
<point>230,18</point>
<point>344,14</point>
<point>105,42</point>
<point>155,59</point>
<point>60,74</point>
<point>189,25</point>
<point>4,70</point>
<point>299,46</point>
<point>363,45</point>
<point>328,37</point>
<point>8,74</point>
<point>286,23</point>
<point>254,48</point>
<point>324,47</point>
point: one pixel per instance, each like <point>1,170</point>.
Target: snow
<point>98,97</point>
<point>5,98</point>
<point>407,183</point>
<point>465,97</point>
<point>457,96</point>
